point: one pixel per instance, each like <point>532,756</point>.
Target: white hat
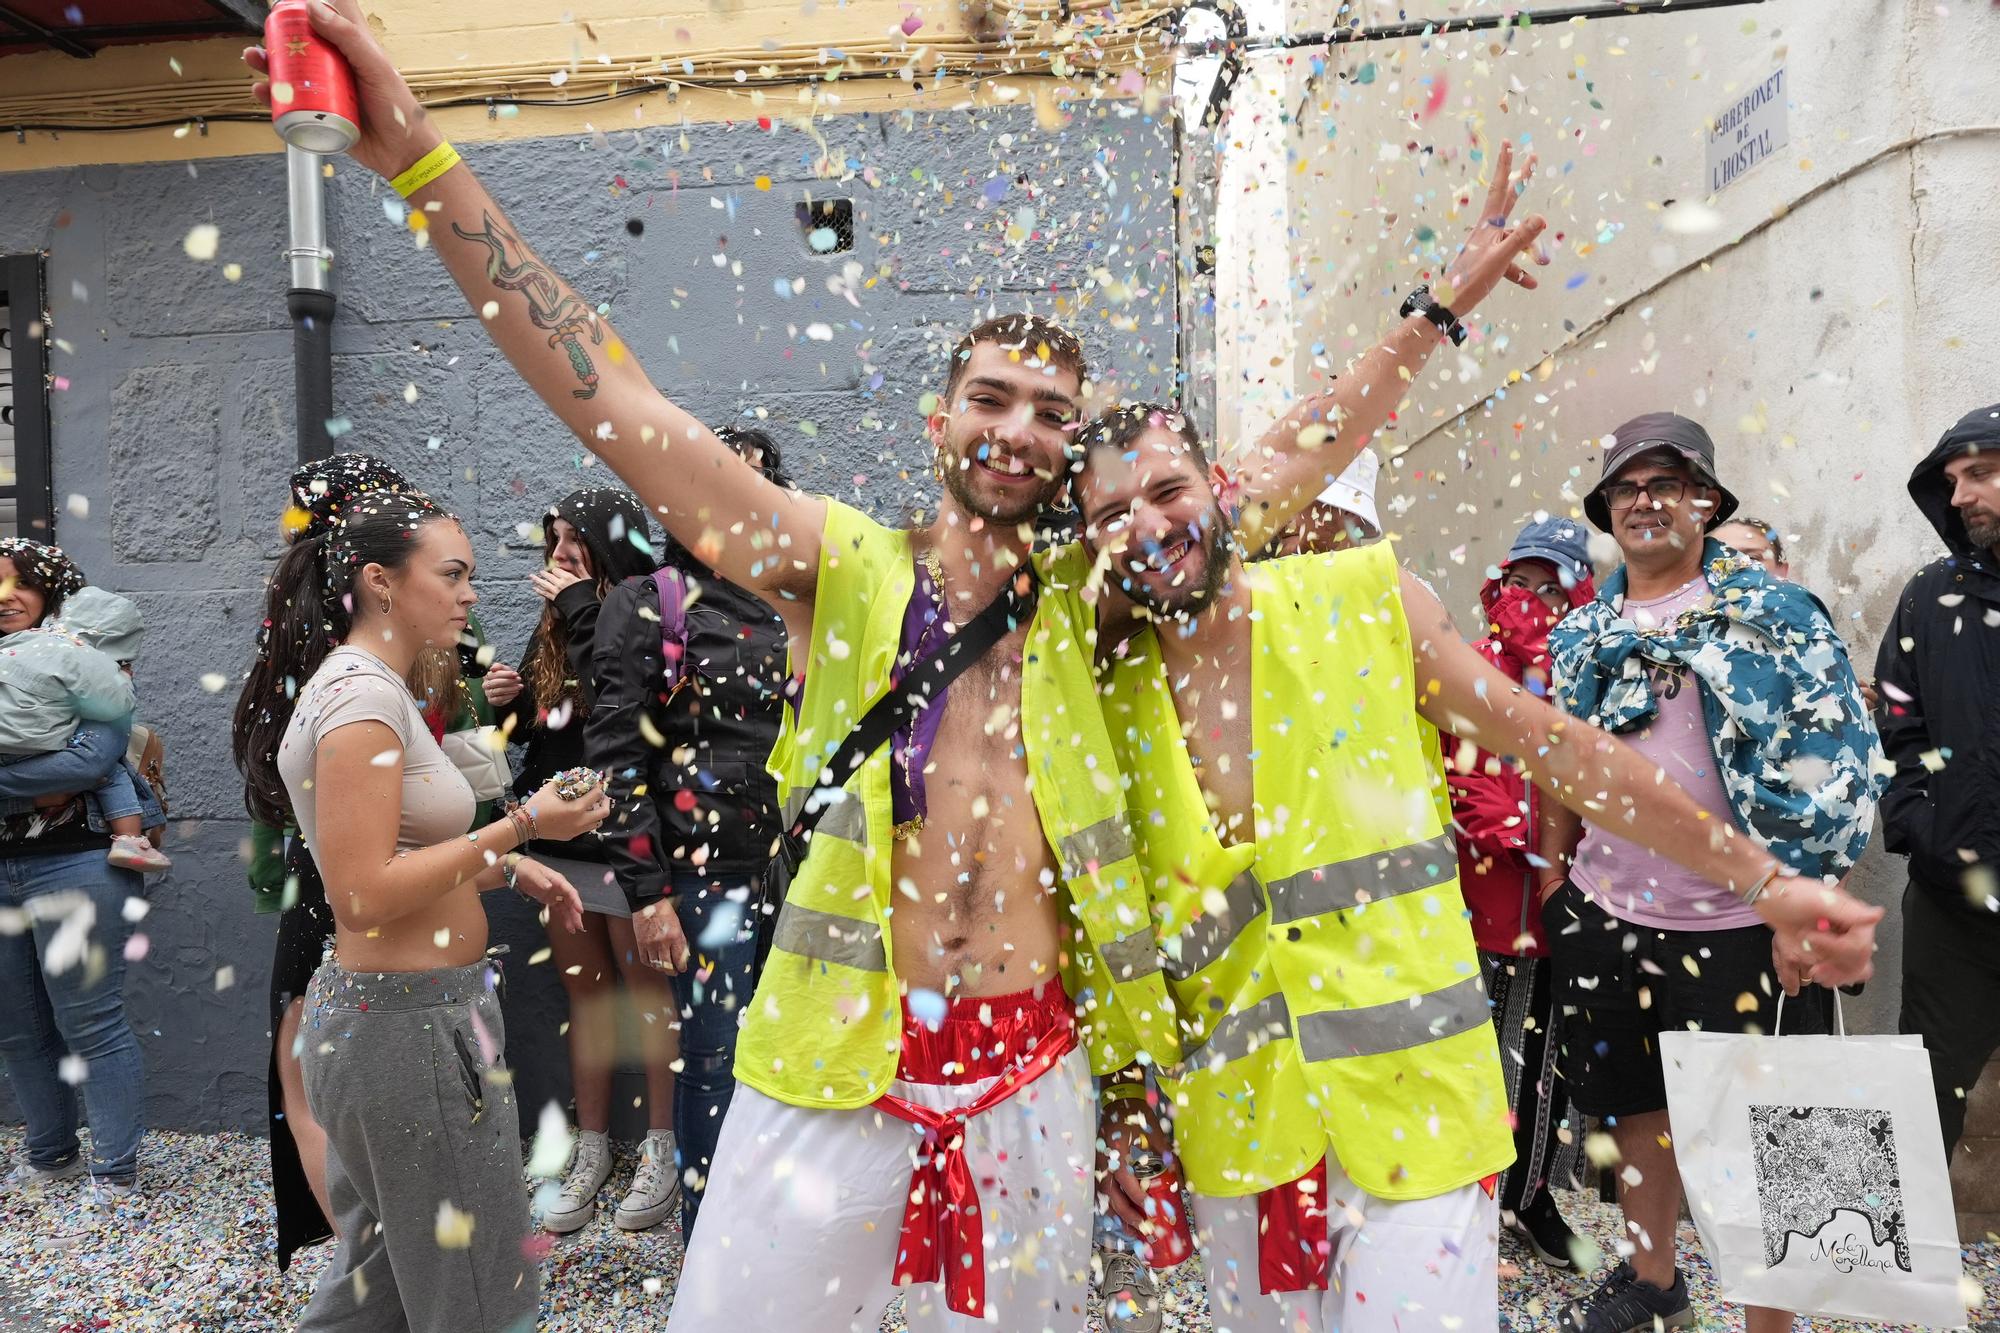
<point>1353,492</point>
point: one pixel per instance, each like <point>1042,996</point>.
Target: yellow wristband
<point>1118,1092</point>
<point>427,169</point>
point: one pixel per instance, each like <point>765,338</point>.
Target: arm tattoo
<point>561,314</point>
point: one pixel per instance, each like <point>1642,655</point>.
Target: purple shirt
<point>1628,881</point>
<point>926,629</point>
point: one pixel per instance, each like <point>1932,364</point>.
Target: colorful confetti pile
<point>193,1253</point>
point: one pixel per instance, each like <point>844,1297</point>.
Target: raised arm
<point>751,531</point>
<point>1292,462</point>
<point>1598,776</point>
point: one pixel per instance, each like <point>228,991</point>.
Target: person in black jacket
<point>1936,674</point>
<point>689,697</point>
<point>592,540</point>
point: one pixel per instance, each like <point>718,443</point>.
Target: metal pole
<point>311,303</point>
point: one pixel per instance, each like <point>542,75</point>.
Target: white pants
<point>1429,1264</point>
<point>804,1209</point>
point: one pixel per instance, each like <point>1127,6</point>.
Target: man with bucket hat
<point>1737,686</point>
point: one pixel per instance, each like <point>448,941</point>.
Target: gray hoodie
<point>67,671</point>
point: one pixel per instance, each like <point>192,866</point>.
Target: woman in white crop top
<point>401,1038</point>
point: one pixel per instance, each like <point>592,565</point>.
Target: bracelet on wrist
<point>1764,881</point>
<point>426,169</point>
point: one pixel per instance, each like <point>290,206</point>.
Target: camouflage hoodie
<point>1796,749</point>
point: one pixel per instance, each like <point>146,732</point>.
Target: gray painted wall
<point>174,424</point>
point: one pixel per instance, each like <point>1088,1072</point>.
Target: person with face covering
<point>283,876</point>
<point>54,876</point>
<point>402,1038</point>
<point>1545,576</point>
<point>592,540</point>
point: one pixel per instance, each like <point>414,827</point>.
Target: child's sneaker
<point>129,851</point>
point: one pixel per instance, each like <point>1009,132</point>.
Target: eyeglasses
<point>1622,495</point>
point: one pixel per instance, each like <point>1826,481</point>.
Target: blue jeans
<point>712,992</point>
<point>117,796</point>
<point>46,1014</point>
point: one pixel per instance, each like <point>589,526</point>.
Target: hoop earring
<point>385,604</point>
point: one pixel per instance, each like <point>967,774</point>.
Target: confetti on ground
<point>193,1252</point>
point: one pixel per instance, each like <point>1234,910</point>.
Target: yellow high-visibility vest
<point>1324,974</point>
<point>824,1028</point>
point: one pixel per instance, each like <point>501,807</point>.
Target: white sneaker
<point>1131,1297</point>
<point>656,1185</point>
<point>112,1191</point>
<point>576,1202</point>
<point>27,1176</point>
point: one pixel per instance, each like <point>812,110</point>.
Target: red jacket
<point>1492,806</point>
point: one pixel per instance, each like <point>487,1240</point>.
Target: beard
<point>1191,596</point>
<point>1004,507</point>
<point>1982,527</point>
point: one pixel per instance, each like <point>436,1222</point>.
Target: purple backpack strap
<point>672,589</point>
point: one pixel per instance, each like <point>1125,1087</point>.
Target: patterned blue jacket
<point>1796,748</point>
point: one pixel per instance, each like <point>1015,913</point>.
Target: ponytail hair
<point>294,640</point>
<point>308,612</point>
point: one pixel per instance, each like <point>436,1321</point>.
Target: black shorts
<point>1619,985</point>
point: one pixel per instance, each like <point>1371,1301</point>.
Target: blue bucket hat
<point>1561,542</point>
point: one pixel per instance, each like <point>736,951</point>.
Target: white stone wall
<point>1826,315</point>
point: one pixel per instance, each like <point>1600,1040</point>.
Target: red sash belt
<point>1025,1038</point>
<point>1294,1234</point>
<point>1293,1238</point>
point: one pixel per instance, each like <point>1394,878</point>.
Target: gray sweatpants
<point>423,1155</point>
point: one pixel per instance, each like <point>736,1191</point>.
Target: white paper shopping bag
<point>1815,1171</point>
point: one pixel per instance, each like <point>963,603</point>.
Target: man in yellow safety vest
<point>1337,1096</point>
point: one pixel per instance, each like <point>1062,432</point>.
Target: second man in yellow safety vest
<point>1338,1107</point>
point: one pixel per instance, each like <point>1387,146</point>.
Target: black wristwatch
<point>1420,302</point>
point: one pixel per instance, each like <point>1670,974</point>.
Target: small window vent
<point>827,225</point>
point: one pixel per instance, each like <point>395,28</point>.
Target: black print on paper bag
<point>1829,1188</point>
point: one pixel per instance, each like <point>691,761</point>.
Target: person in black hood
<point>592,539</point>
<point>1936,674</point>
<point>690,673</point>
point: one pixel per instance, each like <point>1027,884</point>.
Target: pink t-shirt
<point>1628,881</point>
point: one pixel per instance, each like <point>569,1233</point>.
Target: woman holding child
<point>56,879</point>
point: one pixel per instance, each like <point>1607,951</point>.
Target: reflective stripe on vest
<point>1208,939</point>
<point>1345,1033</point>
<point>1363,879</point>
<point>1239,1034</point>
<point>827,938</point>
<point>1379,1029</point>
<point>1102,843</point>
<point>845,818</point>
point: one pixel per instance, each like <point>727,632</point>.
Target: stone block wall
<point>172,424</point>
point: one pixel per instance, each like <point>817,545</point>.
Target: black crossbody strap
<point>924,682</point>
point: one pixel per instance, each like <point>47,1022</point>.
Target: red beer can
<point>1168,1240</point>
<point>312,89</point>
